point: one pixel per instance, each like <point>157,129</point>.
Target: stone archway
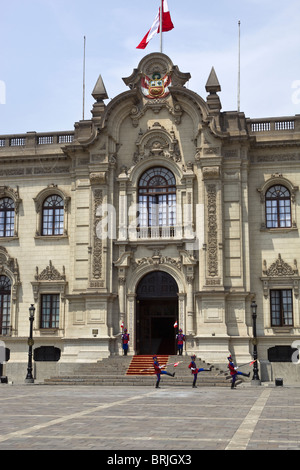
<point>156,313</point>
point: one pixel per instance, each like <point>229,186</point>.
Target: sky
<point>42,44</point>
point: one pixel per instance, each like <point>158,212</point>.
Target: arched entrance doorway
<point>157,311</point>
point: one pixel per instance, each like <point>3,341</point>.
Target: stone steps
<point>128,371</point>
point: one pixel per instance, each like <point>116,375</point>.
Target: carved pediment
<point>157,142</point>
<point>280,268</point>
<point>50,273</point>
<point>9,265</point>
<point>156,260</point>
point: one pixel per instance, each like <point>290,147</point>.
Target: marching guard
<point>195,370</point>
<point>160,372</point>
<point>234,372</point>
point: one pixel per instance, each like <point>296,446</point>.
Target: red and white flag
<point>175,324</point>
<point>167,25</point>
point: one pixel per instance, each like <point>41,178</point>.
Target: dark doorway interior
<point>157,311</point>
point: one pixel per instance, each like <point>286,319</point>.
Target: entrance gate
<point>157,311</point>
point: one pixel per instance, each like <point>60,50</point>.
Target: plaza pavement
<point>136,419</point>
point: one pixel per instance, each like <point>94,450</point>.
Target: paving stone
<point>39,417</point>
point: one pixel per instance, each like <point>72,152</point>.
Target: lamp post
<point>255,379</point>
<point>29,377</point>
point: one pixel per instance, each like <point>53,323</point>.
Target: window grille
<point>157,203</point>
<point>7,217</point>
<point>53,216</point>
<point>281,307</point>
<point>5,294</point>
<point>278,207</point>
<point>49,311</point>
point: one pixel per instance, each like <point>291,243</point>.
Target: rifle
<point>175,364</point>
<point>248,363</point>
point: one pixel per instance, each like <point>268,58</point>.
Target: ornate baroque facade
<point>160,208</point>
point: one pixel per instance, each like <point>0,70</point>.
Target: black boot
<point>171,375</point>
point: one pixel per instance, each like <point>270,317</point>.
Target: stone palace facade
<point>160,208</point>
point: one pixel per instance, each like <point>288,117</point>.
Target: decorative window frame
<point>157,148</point>
<point>280,275</point>
<point>6,191</point>
<point>39,201</point>
<point>9,267</point>
<point>50,281</point>
<point>278,179</point>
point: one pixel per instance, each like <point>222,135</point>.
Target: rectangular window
<point>281,307</point>
<point>50,311</point>
<point>53,221</point>
<point>4,314</point>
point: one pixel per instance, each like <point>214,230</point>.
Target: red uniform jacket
<point>125,338</point>
<point>231,368</point>
<point>193,366</point>
<point>180,339</point>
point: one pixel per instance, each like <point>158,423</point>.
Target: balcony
<point>158,232</point>
<point>33,139</point>
<point>273,125</point>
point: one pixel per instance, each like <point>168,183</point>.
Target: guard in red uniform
<point>234,372</point>
<point>159,372</point>
<point>195,370</point>
<point>180,340</point>
<point>125,341</point>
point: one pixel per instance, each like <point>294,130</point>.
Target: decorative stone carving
<point>96,274</point>
<point>6,191</point>
<point>156,260</point>
<point>282,274</point>
<point>279,268</point>
<point>50,279</point>
<point>98,177</point>
<point>50,273</point>
<point>157,142</point>
<point>9,267</point>
<point>211,172</point>
<point>212,231</point>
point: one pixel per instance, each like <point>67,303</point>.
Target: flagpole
<point>83,100</point>
<point>239,70</point>
<point>160,26</point>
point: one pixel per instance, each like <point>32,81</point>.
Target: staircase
<point>143,365</point>
<point>129,371</point>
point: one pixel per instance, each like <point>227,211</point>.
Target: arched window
<point>5,293</point>
<point>53,216</point>
<point>7,217</point>
<point>278,207</point>
<point>157,198</point>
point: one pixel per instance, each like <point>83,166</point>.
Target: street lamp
<point>254,341</point>
<point>29,378</point>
